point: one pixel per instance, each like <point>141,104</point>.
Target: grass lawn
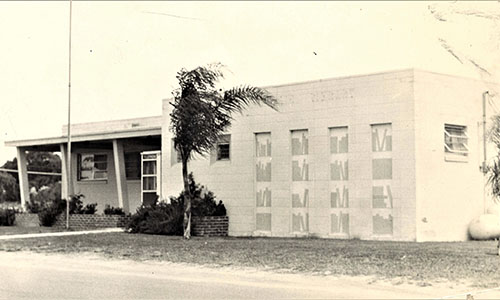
<point>423,263</point>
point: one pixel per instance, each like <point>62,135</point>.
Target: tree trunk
<point>187,201</point>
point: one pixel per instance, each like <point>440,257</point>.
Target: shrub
<point>167,218</point>
<point>89,209</point>
<point>159,218</point>
<point>7,217</point>
<point>52,208</point>
<point>44,197</point>
<point>48,214</point>
<point>110,210</point>
<point>76,206</point>
<point>203,202</point>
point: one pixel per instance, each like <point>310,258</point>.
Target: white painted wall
<point>449,194</point>
<point>356,102</point>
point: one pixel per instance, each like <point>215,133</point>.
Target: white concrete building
<point>392,156</point>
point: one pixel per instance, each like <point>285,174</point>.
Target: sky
<point>125,54</point>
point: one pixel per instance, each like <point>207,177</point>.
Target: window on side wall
<point>455,142</point>
<point>133,165</point>
<point>176,155</point>
<point>92,167</point>
<point>223,147</point>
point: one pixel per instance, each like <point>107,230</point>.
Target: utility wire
<point>170,15</point>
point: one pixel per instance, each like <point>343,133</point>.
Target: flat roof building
<point>390,156</point>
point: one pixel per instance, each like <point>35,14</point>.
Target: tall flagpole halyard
<point>68,156</point>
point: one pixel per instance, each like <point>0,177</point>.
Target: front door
<point>150,177</point>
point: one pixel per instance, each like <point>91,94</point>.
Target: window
<point>133,165</point>
<point>92,167</point>
<point>455,140</point>
<point>223,147</point>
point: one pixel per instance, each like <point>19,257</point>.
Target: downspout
<point>484,168</point>
<point>484,131</point>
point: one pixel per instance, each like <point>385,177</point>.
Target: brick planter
<point>210,226</point>
<point>27,220</point>
<point>92,221</point>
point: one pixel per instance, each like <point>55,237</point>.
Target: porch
<point>106,162</point>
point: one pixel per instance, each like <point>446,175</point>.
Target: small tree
<point>202,112</point>
<point>9,189</point>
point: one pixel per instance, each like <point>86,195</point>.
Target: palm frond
<point>201,113</point>
<point>494,131</point>
<point>201,78</point>
<point>494,178</point>
<point>237,98</point>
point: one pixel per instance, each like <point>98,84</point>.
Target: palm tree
<point>201,113</point>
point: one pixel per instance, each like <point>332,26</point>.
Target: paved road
<point>25,275</point>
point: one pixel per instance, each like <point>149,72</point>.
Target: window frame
<point>456,154</point>
<point>80,157</point>
<point>224,140</point>
<point>146,157</point>
<point>138,155</point>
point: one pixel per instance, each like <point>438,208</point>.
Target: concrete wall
<point>354,102</point>
<point>113,125</point>
<point>449,193</point>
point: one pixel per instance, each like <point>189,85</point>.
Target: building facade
<point>387,156</point>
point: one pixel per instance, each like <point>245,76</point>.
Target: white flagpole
<point>68,175</point>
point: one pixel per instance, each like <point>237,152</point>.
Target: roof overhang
<point>100,136</point>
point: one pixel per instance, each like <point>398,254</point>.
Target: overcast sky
<point>126,54</point>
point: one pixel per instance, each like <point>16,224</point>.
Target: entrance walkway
<point>48,234</point>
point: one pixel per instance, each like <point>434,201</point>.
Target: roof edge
<point>109,135</point>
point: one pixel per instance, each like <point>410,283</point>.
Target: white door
<point>150,177</point>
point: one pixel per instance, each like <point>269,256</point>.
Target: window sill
<point>93,181</point>
<point>456,158</point>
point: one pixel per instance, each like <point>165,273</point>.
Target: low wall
<point>27,220</point>
<point>210,226</point>
<point>92,221</point>
<point>201,226</point>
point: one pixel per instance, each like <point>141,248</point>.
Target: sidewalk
<point>48,234</point>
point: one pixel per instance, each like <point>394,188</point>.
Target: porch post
<point>121,180</point>
<point>64,171</point>
<point>22,171</point>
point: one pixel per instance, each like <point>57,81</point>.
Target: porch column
<point>121,179</point>
<point>64,171</point>
<point>22,171</point>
